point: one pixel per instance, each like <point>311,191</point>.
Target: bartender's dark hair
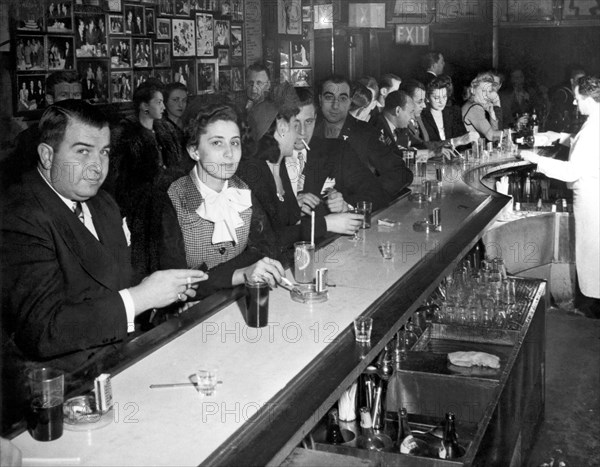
<point>56,118</point>
<point>589,86</point>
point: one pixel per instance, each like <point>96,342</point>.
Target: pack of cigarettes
<point>103,393</point>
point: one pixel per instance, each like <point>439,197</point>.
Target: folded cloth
<point>469,359</point>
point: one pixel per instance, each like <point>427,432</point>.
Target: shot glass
<point>421,165</point>
<point>207,381</point>
<point>387,250</point>
<point>46,397</point>
<point>365,208</point>
<point>304,262</point>
<point>362,329</point>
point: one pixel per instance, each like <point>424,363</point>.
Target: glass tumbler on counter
<point>304,262</point>
<point>46,397</point>
<point>362,329</point>
<point>365,208</point>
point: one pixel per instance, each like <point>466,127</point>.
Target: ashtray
<point>307,293</point>
<point>79,414</point>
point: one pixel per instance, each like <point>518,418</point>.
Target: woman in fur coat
<point>149,156</point>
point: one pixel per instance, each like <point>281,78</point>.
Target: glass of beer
<point>46,396</point>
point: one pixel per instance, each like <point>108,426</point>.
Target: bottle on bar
<point>368,439</point>
<point>450,448</point>
<point>415,445</point>
<point>334,433</point>
<point>404,430</point>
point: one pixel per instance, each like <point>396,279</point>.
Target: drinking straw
<point>312,227</point>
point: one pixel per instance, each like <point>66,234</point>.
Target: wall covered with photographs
<point>115,45</point>
<point>290,47</point>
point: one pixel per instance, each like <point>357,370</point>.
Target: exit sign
<point>414,34</point>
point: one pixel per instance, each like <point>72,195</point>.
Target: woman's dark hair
<point>287,104</point>
<point>439,82</point>
<point>145,92</point>
<point>206,115</point>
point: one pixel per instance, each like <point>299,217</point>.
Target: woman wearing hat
<point>216,218</point>
<point>478,112</point>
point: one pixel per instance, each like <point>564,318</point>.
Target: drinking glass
<point>304,262</point>
<point>46,396</point>
<point>362,329</point>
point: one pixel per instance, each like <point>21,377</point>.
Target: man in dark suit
<point>66,269</point>
<point>398,111</point>
<point>433,66</point>
<point>326,173</point>
<point>336,123</point>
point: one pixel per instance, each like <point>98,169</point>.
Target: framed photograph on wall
<point>150,20</point>
<point>141,52</point>
<point>300,54</point>
<point>31,53</point>
<point>208,72</point>
<point>284,75</point>
<point>134,20</point>
<point>205,46</point>
<point>120,52</point>
<point>163,28</point>
<point>59,17</point>
<point>225,80</point>
<point>114,5</point>
<point>60,53</point>
<point>221,33</point>
<point>90,36</point>
<point>284,54</point>
<point>237,43</point>
<point>121,86</point>
<point>30,92</point>
<point>162,54</point>
<point>289,16</point>
<point>139,77</point>
<point>29,16</point>
<point>302,78</point>
<point>184,72</point>
<point>237,78</point>
<point>94,80</point>
<point>184,37</point>
<point>223,57</point>
<point>165,8</point>
<point>116,24</point>
<point>183,7</point>
<point>165,75</point>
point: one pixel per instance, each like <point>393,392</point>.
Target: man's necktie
<point>78,210</point>
<point>301,164</point>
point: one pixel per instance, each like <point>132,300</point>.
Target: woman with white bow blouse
<point>224,229</point>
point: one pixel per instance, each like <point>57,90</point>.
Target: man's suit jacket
<point>453,124</point>
<point>60,288</point>
<point>335,159</point>
<point>386,164</point>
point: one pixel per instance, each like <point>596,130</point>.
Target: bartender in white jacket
<point>582,174</point>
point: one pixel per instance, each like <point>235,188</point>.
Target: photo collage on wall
<point>117,46</point>
<point>294,54</point>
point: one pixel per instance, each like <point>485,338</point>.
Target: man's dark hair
<point>257,67</point>
<point>387,80</point>
<point>395,99</point>
<point>430,59</point>
<point>56,118</point>
<point>145,92</point>
<point>335,79</point>
<point>410,86</point>
<point>305,96</point>
<point>589,86</point>
<point>58,77</point>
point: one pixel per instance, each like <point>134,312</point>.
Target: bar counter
<point>277,381</point>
